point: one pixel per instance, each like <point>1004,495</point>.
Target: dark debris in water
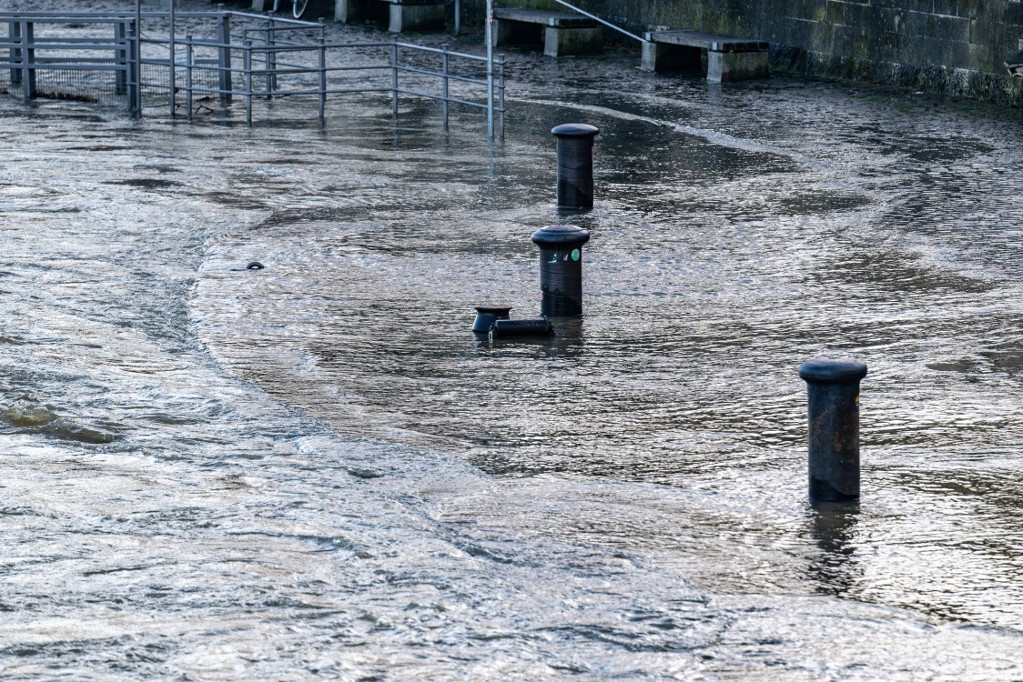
<point>145,183</point>
<point>365,473</point>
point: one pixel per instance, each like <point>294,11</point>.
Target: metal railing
<point>241,55</point>
<point>597,19</point>
<point>70,55</point>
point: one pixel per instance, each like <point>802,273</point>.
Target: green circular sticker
<point>576,254</point>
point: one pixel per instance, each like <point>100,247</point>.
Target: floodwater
<point>315,471</point>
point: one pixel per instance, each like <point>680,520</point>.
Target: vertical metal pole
<point>323,79</point>
<point>189,55</point>
<point>224,55</point>
<point>173,66</point>
<point>248,81</point>
<point>130,73</point>
<point>137,59</point>
<point>444,70</point>
<point>28,57</point>
<point>266,57</point>
<point>458,16</point>
<point>14,33</point>
<point>271,58</point>
<point>394,76</point>
<point>489,33</point>
<point>500,95</point>
<point>121,57</point>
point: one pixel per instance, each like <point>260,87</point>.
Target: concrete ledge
<point>400,15</point>
<point>727,58</point>
<point>543,17</point>
<point>736,66</point>
<point>560,33</point>
<point>564,41</point>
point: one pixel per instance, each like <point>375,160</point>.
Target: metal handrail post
<point>14,33</point>
<point>444,70</point>
<point>247,55</point>
<point>137,60</point>
<point>172,74</point>
<point>323,79</point>
<point>28,57</point>
<point>189,55</point>
<point>270,59</point>
<point>133,94</point>
<point>489,34</point>
<point>121,57</point>
<point>500,95</point>
<point>394,76</point>
<point>224,54</point>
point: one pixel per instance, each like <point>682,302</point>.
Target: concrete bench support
<point>401,15</point>
<point>728,59</point>
<point>561,34</point>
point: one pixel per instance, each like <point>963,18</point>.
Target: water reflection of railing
<point>238,54</point>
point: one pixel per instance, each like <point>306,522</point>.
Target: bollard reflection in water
<point>832,527</point>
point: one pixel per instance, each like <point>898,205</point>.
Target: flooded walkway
<point>313,471</point>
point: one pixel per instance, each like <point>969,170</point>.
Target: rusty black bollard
<point>561,269</point>
<point>575,164</point>
<point>487,315</point>
<point>833,389</point>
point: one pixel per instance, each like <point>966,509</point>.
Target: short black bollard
<point>561,269</point>
<point>575,164</point>
<point>833,389</point>
<point>487,315</point>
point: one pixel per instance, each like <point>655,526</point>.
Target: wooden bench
<point>727,58</point>
<point>401,15</point>
<point>562,33</point>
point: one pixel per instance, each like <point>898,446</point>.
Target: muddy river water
<point>315,471</point>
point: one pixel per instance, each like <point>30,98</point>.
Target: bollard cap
<point>560,235</point>
<point>832,371</point>
<point>575,130</point>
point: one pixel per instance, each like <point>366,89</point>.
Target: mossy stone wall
<point>953,46</point>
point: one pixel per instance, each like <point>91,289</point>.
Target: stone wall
<point>952,46</point>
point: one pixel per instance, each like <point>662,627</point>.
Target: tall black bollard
<point>575,164</point>
<point>561,269</point>
<point>833,389</point>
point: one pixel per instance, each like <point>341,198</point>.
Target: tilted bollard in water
<point>504,328</point>
<point>561,269</point>
<point>575,164</point>
<point>833,390</point>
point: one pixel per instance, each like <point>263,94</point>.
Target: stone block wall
<point>952,46</point>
